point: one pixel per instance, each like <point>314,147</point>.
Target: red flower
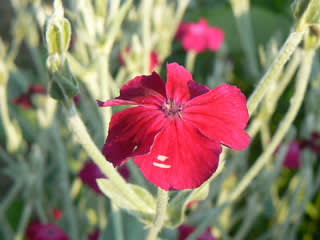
<point>91,172</point>
<point>199,37</point>
<point>57,213</point>
<point>25,99</point>
<point>94,235</point>
<point>293,157</point>
<point>176,130</point>
<point>186,230</point>
<point>154,59</point>
<point>76,99</point>
<point>42,231</point>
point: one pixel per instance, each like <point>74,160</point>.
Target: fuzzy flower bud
<point>58,32</point>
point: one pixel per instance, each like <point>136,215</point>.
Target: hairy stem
<point>161,214</point>
<point>283,56</point>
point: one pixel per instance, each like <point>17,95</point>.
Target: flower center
<point>172,109</point>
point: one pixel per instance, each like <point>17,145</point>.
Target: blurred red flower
<point>91,172</point>
<point>200,36</point>
<point>94,235</point>
<point>186,230</point>
<point>176,131</point>
<point>25,99</point>
<point>154,59</point>
<point>57,213</point>
<point>45,231</point>
<point>293,157</point>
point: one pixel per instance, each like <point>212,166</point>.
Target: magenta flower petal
<point>131,133</point>
<point>186,230</point>
<point>180,85</point>
<point>24,100</point>
<point>90,172</point>
<point>221,114</point>
<point>94,235</point>
<point>89,175</point>
<point>49,231</point>
<point>142,90</point>
<point>154,60</point>
<point>215,38</point>
<point>180,157</point>
<point>195,38</point>
<point>199,36</point>
<point>293,157</point>
<point>183,28</point>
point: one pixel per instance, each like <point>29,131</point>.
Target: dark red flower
<point>186,230</point>
<point>199,37</point>
<point>176,131</point>
<point>94,235</point>
<point>154,59</point>
<point>57,213</point>
<point>76,99</point>
<point>315,142</point>
<point>293,157</point>
<point>25,99</point>
<point>45,231</point>
<point>91,172</point>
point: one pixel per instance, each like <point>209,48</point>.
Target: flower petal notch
<point>175,131</point>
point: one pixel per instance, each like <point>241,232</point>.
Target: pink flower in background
<point>94,235</point>
<point>176,130</point>
<point>91,172</point>
<point>76,99</point>
<point>200,36</point>
<point>25,99</point>
<point>154,59</point>
<point>45,231</point>
<point>293,157</point>
<point>187,230</point>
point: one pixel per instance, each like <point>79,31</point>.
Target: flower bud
<point>58,32</point>
<point>54,62</point>
<point>64,84</point>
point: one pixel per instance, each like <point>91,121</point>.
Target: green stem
<point>79,130</point>
<point>117,222</point>
<point>23,221</point>
<point>65,184</point>
<point>161,214</point>
<point>275,95</point>
<point>10,196</point>
<point>283,56</point>
<point>296,102</point>
<point>241,12</point>
<point>190,60</point>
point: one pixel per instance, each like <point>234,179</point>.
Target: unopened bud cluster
<point>58,35</point>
